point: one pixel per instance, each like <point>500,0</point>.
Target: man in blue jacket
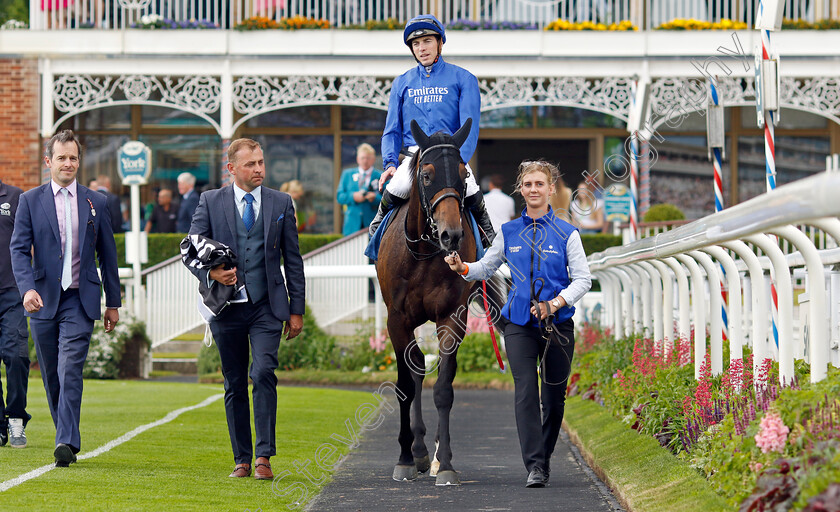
<point>61,230</point>
<point>439,96</point>
<point>359,191</point>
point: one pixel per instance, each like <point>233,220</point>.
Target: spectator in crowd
<point>103,182</point>
<point>500,206</point>
<point>164,215</point>
<point>93,184</point>
<point>295,189</point>
<point>561,200</point>
<point>587,211</point>
<point>358,191</point>
<point>189,201</point>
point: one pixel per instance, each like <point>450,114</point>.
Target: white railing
<point>171,301</point>
<point>61,14</point>
<point>336,287</point>
<point>638,279</point>
<point>332,294</point>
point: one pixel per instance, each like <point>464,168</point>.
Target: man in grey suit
<point>189,202</point>
<point>258,224</point>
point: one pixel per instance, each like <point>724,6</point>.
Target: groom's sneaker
<point>64,455</point>
<point>17,436</point>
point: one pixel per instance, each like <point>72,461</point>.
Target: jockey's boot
<point>475,203</point>
<point>389,201</point>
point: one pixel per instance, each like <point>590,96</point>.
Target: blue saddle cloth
<point>372,250</point>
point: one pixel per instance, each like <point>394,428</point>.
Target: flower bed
<point>388,24</point>
<point>465,24</point>
<point>107,350</point>
<point>759,445</point>
<point>692,24</point>
<point>804,25</point>
<point>156,21</point>
<point>561,24</point>
<point>293,23</point>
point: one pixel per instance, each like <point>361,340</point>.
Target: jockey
<point>439,96</point>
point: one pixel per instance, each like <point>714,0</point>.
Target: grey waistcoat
<point>251,257</point>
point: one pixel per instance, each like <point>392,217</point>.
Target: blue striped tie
<point>67,269</point>
<point>248,214</point>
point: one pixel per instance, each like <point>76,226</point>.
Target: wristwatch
<point>556,303</point>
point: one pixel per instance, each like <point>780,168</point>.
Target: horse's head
<point>440,177</point>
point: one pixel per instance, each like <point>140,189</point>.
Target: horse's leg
<point>418,427</point>
<point>450,334</point>
<point>401,340</point>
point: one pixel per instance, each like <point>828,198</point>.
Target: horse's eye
<point>427,180</point>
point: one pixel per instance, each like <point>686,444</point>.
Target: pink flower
<point>772,433</point>
<point>377,343</point>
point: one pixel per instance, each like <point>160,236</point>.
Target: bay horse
<point>418,286</point>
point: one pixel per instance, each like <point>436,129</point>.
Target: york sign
<point>134,163</point>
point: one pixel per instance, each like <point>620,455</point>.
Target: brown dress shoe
<point>262,469</point>
<point>241,471</point>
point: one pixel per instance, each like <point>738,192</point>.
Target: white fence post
<point>713,278</point>
<point>784,290</point>
<point>736,338</point>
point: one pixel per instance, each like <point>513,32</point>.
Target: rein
<point>433,237</point>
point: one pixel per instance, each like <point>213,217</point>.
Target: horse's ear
<point>462,133</point>
<point>420,137</point>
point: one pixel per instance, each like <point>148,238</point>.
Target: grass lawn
<point>463,380</point>
<point>644,476</point>
<point>180,465</point>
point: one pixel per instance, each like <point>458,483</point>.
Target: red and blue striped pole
<point>770,167</point>
<point>717,161</point>
<point>634,171</point>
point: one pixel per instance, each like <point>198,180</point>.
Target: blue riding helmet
<point>423,25</point>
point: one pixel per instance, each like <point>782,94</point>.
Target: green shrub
<point>476,354</point>
<point>312,348</point>
<point>209,360</point>
<point>14,10</point>
<point>163,246</point>
<point>597,242</point>
<point>310,242</point>
<point>663,212</point>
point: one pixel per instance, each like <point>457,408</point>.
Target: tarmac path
<point>486,456</point>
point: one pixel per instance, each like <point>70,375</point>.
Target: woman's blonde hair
<point>528,166</point>
<point>291,186</point>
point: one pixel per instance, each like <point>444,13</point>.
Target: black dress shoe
<point>4,435</point>
<point>64,455</point>
<point>537,478</point>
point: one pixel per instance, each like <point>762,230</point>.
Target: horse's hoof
<point>423,464</point>
<point>403,473</point>
<point>447,477</point>
<point>434,468</point>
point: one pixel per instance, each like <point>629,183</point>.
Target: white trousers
<point>400,184</point>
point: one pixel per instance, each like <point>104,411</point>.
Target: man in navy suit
<point>189,202</point>
<point>61,228</point>
<point>103,186</point>
<point>258,224</point>
<point>14,335</point>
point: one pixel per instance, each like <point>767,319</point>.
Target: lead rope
<point>490,325</point>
